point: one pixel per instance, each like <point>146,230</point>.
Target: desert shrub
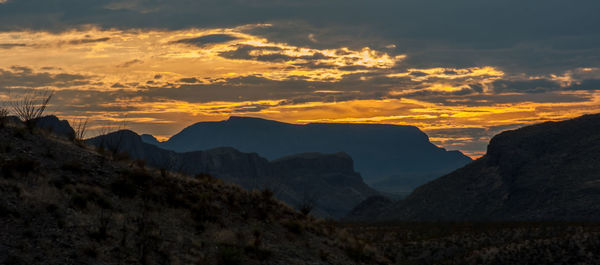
<point>74,166</point>
<point>229,255</point>
<point>6,211</point>
<point>61,181</point>
<point>258,252</point>
<point>204,177</point>
<point>100,231</point>
<point>323,255</point>
<point>19,165</point>
<point>19,133</point>
<point>358,254</point>
<point>14,260</point>
<point>5,147</point>
<point>202,212</point>
<point>294,226</point>
<point>177,200</point>
<point>267,194</point>
<point>79,201</point>
<point>90,251</point>
<point>32,106</point>
<point>80,128</point>
<point>139,177</point>
<point>307,203</point>
<point>124,188</point>
<point>3,115</point>
<point>141,164</point>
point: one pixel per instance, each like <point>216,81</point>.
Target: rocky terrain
<point>390,158</point>
<point>544,172</point>
<point>63,202</point>
<point>325,182</point>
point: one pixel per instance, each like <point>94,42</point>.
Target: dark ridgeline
<point>390,158</point>
<point>548,171</point>
<point>61,202</point>
<point>326,181</point>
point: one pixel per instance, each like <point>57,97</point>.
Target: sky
<point>462,71</point>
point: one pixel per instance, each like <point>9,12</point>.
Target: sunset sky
<point>460,70</point>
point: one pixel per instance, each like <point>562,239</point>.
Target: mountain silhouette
<point>326,180</point>
<point>62,202</point>
<point>391,158</point>
<point>549,171</point>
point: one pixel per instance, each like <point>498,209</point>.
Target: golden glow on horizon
<point>139,60</point>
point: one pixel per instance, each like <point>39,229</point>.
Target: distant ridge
<point>548,172</point>
<point>329,180</point>
<point>390,157</point>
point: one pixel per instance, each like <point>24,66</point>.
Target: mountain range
<point>544,172</point>
<point>326,182</point>
<point>390,158</point>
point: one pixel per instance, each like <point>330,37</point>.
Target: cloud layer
<point>461,70</point>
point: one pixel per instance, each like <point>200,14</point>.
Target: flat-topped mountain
<point>326,181</point>
<point>389,157</point>
<point>548,171</point>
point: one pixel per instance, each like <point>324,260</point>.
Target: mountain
<point>389,157</point>
<point>327,181</point>
<point>548,171</point>
<point>147,138</point>
<point>64,203</point>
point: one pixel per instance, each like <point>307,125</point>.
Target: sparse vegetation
<point>3,115</point>
<point>80,127</point>
<point>481,243</point>
<point>32,106</point>
<point>307,203</point>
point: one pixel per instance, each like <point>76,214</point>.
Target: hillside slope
<point>548,171</point>
<point>326,180</point>
<point>65,204</point>
<point>389,157</point>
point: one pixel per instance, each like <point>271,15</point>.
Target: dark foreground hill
<point>390,158</point>
<point>62,203</point>
<point>548,171</point>
<point>326,182</point>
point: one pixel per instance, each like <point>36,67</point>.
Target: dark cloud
<point>525,86</point>
<point>11,45</point>
<point>118,85</point>
<point>538,36</point>
<point>24,77</point>
<point>86,41</point>
<point>207,40</point>
<point>190,80</point>
<point>589,84</point>
<point>274,54</point>
<point>130,63</point>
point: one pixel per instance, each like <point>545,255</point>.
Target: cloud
<point>130,63</point>
<point>533,36</point>
<point>87,40</point>
<point>11,45</point>
<point>207,40</point>
<point>17,77</point>
<point>589,84</point>
<point>525,86</point>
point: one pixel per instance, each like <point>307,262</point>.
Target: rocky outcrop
<point>58,127</point>
<point>549,171</point>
